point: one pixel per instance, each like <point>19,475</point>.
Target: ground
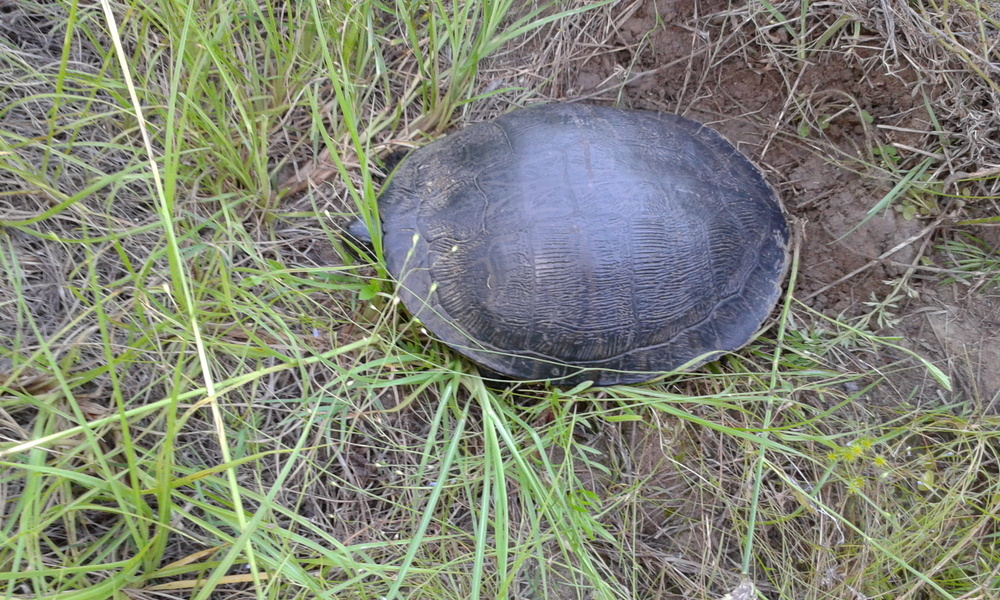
<point>168,402</point>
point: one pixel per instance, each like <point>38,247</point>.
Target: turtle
<point>572,242</point>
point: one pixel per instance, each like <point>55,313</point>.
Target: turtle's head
<point>358,232</point>
<point>359,240</point>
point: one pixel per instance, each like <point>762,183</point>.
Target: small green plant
<point>971,259</point>
<point>888,154</point>
<point>921,200</point>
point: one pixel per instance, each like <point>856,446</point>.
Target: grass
<point>973,261</point>
<point>202,395</point>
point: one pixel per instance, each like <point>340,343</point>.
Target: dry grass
<point>202,395</point>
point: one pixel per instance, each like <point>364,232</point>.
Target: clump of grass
<point>973,261</point>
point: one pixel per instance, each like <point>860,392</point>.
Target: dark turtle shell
<point>574,242</point>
